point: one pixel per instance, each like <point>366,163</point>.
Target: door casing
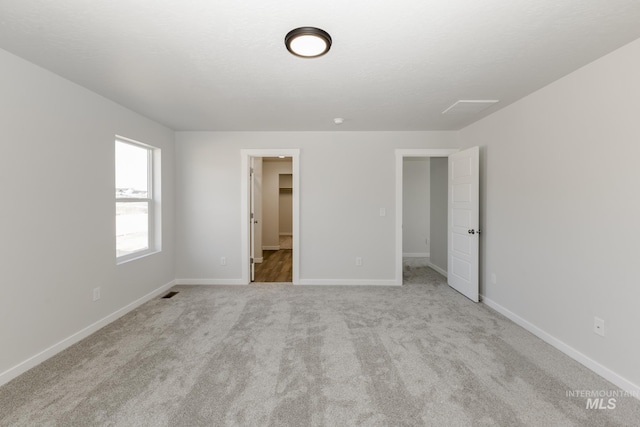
<point>401,154</point>
<point>245,188</point>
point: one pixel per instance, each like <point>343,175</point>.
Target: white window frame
<point>153,185</point>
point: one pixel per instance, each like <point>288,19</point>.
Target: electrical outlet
<point>96,293</point>
<point>359,261</point>
<point>383,212</point>
<point>598,326</point>
<point>223,261</point>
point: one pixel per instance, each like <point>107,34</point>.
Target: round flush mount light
<point>308,42</point>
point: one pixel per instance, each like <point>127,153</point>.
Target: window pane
<point>131,171</point>
<point>132,227</point>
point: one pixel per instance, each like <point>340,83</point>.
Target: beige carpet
<point>282,355</point>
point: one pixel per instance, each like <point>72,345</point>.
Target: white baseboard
<point>271,248</point>
<point>438,269</point>
<point>286,234</point>
<point>258,260</point>
<point>33,361</point>
<point>210,282</point>
<point>304,282</point>
<point>416,254</point>
<point>603,371</point>
<point>347,282</point>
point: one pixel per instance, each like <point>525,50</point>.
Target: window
<point>135,204</point>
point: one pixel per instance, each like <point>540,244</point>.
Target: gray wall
<point>560,211</point>
<point>439,206</point>
<point>416,211</point>
<point>58,216</point>
<point>345,178</point>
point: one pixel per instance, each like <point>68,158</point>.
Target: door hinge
<point>251,215</point>
<point>251,260</point>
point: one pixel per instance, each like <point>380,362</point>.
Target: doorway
<point>432,249</point>
<point>424,222</point>
<point>273,218</point>
<point>252,250</point>
<point>462,216</point>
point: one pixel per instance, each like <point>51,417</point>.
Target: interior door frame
<point>401,154</point>
<point>245,189</point>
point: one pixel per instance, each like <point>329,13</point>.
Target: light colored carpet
<point>281,355</point>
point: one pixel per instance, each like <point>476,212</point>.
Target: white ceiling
<point>394,64</point>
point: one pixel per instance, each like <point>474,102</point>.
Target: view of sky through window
<point>131,170</point>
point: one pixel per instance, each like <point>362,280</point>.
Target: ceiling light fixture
<point>308,42</point>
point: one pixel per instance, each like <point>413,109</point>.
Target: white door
<point>464,222</point>
<point>252,222</point>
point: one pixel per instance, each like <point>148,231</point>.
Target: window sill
<point>135,256</point>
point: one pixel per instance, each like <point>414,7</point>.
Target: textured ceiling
<point>394,65</point>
